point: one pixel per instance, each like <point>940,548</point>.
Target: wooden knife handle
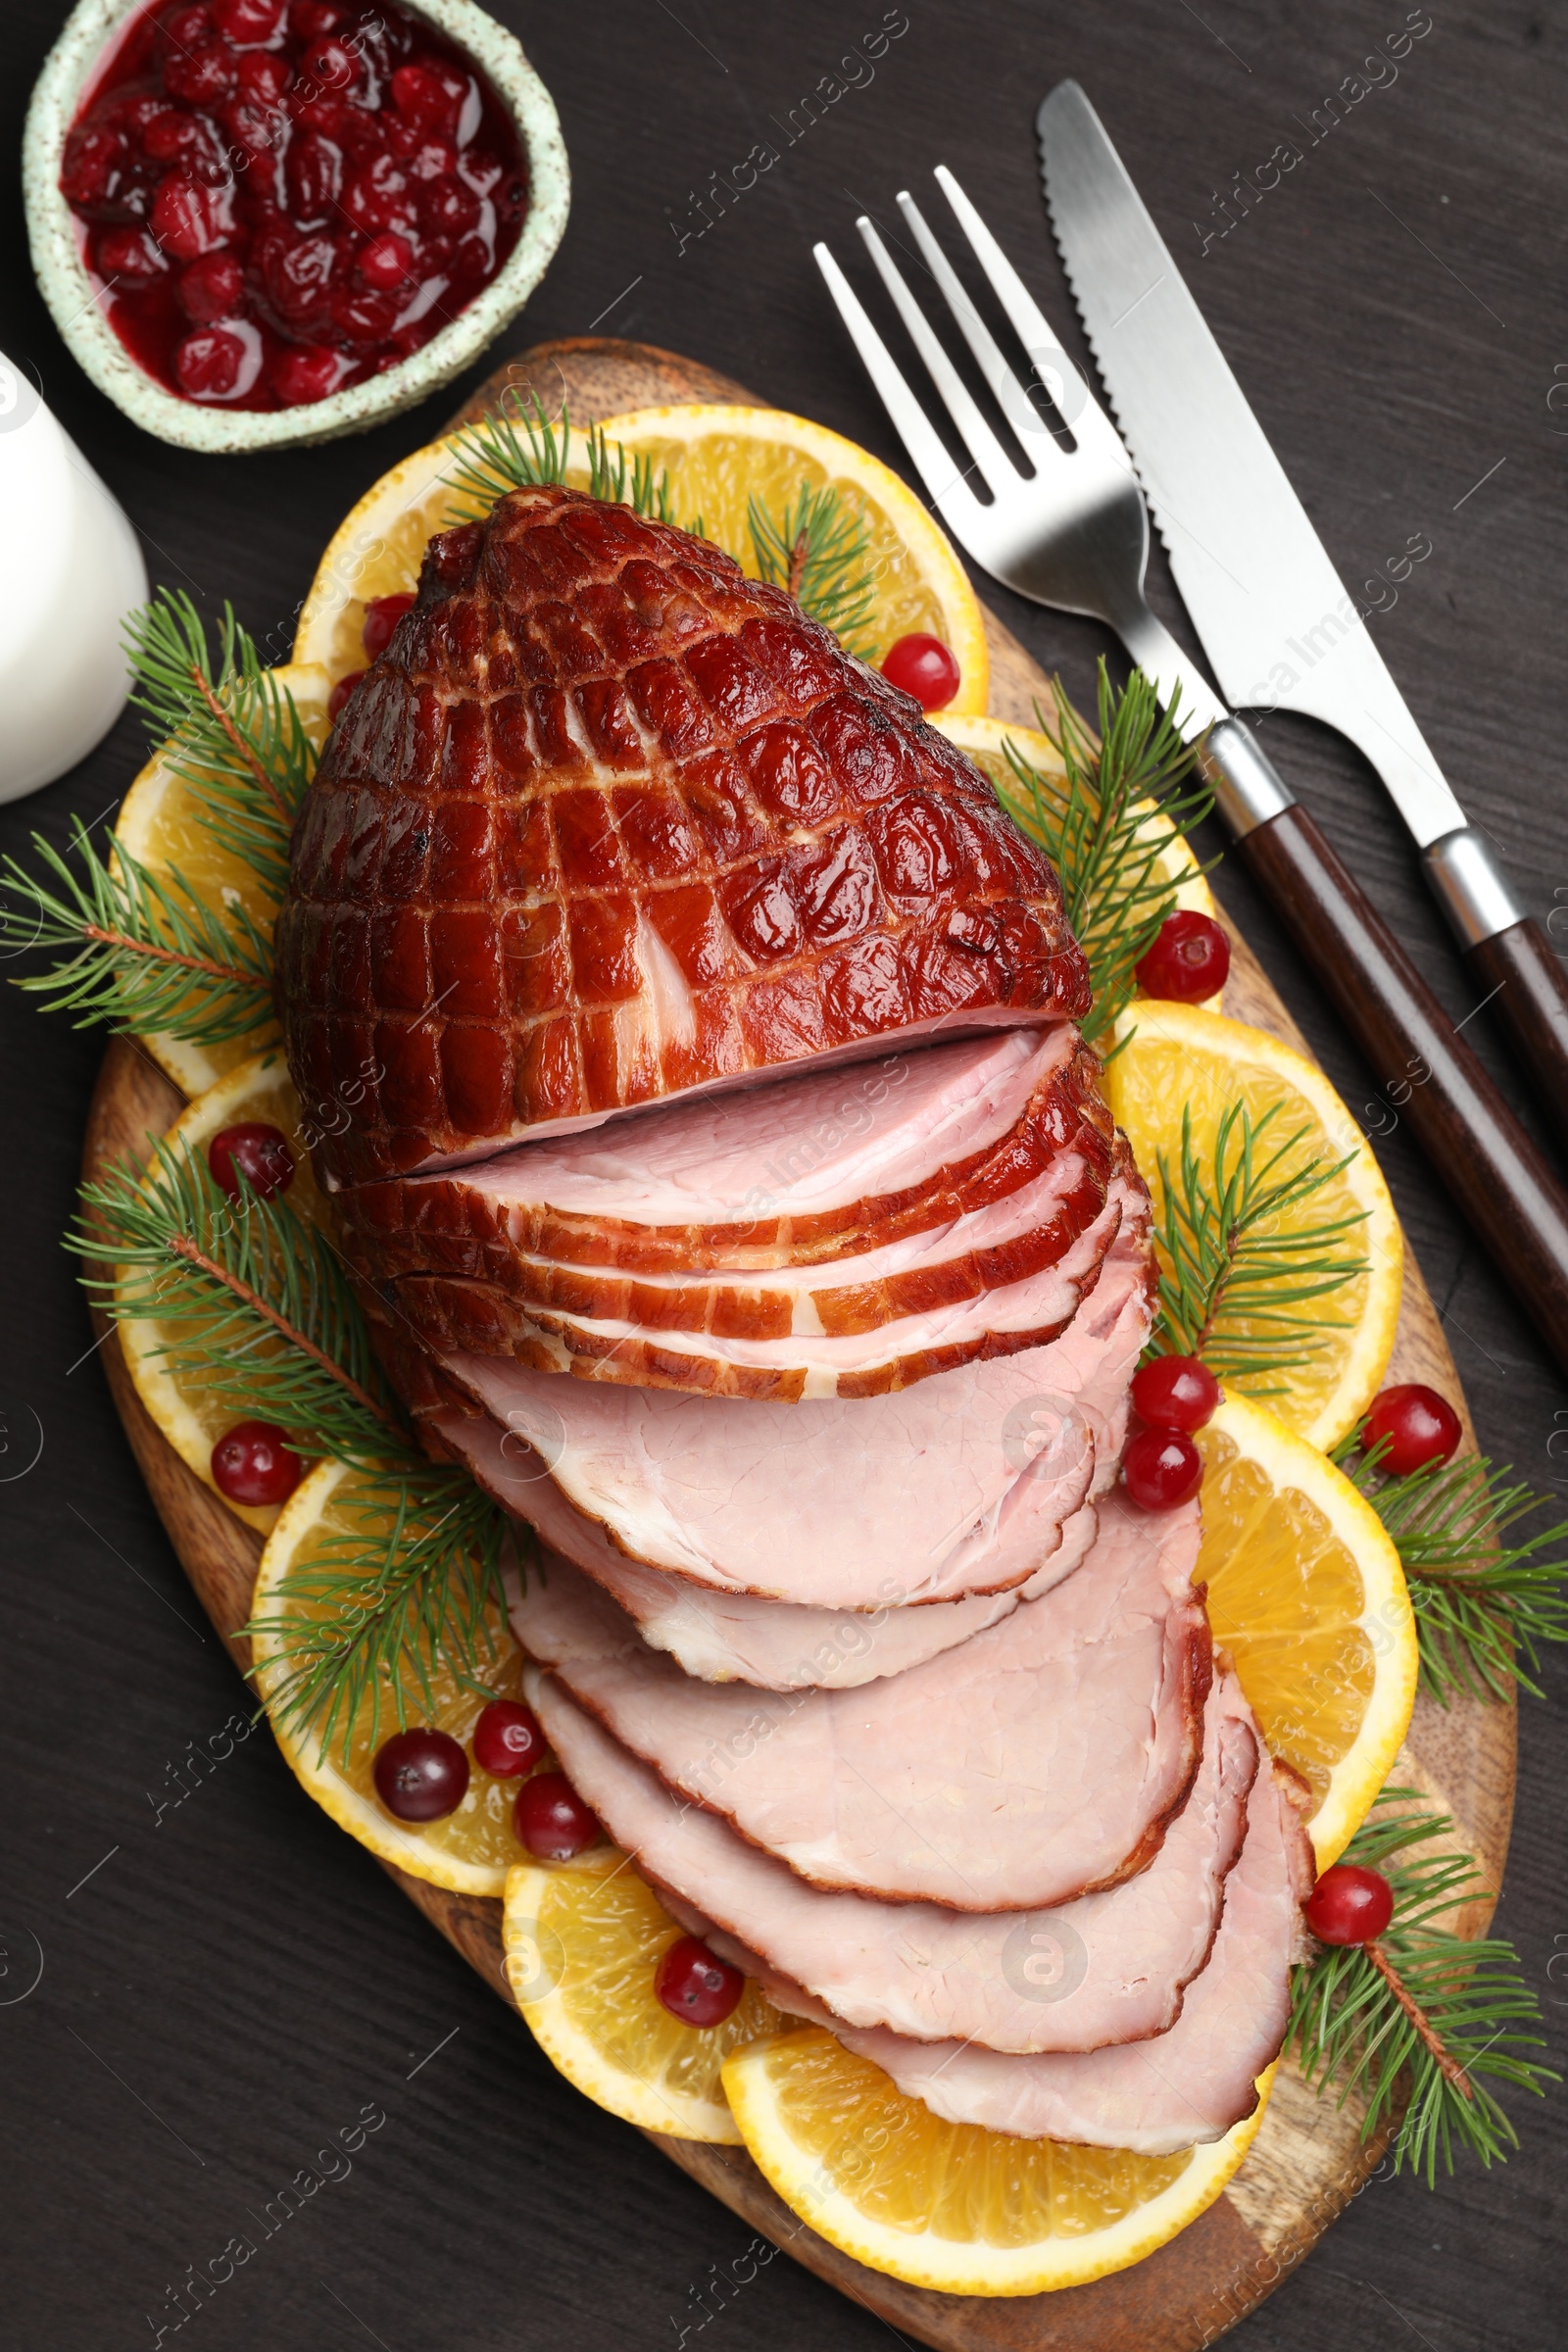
<point>1427,1074</point>
<point>1523,984</point>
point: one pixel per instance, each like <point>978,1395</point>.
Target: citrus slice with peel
<point>189,1415</point>
<point>1173,1059</point>
<point>717,459</point>
<point>333,1514</point>
<point>987,742</point>
<point>582,1942</point>
<point>952,2206</point>
<point>161,825</point>
<point>1307,1594</point>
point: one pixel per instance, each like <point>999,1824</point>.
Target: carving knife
<point>1273,613</point>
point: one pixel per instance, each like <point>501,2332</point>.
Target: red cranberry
<point>420,1776</point>
<point>379,197</point>
<point>315,174</point>
<point>1187,960</point>
<point>923,666</point>
<point>210,363</point>
<point>449,208</point>
<point>212,288</point>
<point>1161,1468</point>
<point>189,221</point>
<point>94,159</point>
<point>129,254</point>
<point>302,374</point>
<point>254,1150</point>
<point>506,1739</point>
<point>421,158</point>
<point>329,64</point>
<point>429,98</point>
<point>694,1985</point>
<point>188,27</point>
<point>170,136</point>
<point>381,617</point>
<point>386,261</point>
<point>309,19</point>
<point>248,23</point>
<point>203,77</point>
<point>1350,1904</point>
<point>262,76</point>
<point>363,317</point>
<point>252,1463</point>
<point>342,694</point>
<point>1420,1427</point>
<point>1175,1391</point>
<point>552,1820</point>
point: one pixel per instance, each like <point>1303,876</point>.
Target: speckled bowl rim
<point>69,291</point>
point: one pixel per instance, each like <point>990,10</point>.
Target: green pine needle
<point>1483,1607</point>
<point>381,1608</point>
<point>1349,2028</point>
<point>1096,826</point>
<point>819,550</point>
<point>235,735</point>
<point>256,1302</point>
<point>1234,1287</point>
<point>147,955</point>
<point>495,455</point>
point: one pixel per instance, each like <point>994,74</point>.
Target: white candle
<point>71,572</point>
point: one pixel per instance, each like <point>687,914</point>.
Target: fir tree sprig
<point>230,731</point>
<point>148,954</point>
<point>819,550</point>
<point>1097,824</point>
<point>1238,1286</point>
<point>1483,1607</point>
<point>253,1299</point>
<point>413,1584</point>
<point>1419,2009</point>
<point>256,1310</point>
<point>494,455</point>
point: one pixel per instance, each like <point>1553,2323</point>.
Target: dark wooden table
<point>228,1983</point>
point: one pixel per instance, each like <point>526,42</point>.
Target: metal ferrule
<point>1471,886</point>
<point>1247,788</point>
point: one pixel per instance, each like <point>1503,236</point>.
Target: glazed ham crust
<point>608,821</point>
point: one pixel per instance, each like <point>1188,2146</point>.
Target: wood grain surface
<point>201,1979</point>
<point>1309,2159</point>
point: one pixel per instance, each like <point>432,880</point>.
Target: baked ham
<point>687,1038</point>
<point>959,1484</point>
<point>1109,1967</point>
<point>608,821</point>
<point>1038,1760</point>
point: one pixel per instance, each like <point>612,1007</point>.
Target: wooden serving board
<point>1308,2160</point>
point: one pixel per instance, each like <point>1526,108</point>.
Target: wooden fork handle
<point>1427,1075</point>
<point>1523,985</point>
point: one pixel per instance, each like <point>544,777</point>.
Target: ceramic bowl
<point>68,289</point>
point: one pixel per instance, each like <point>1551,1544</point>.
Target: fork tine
<point>1056,371</point>
<point>1010,396</point>
<point>947,491</point>
<point>997,468</point>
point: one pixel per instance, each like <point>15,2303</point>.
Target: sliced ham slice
<point>1034,1762</point>
<point>1189,2085</point>
<point>737,1637</point>
<point>814,1166</point>
<point>1004,1241</point>
<point>959,1484</point>
<point>875,1361</point>
<point>1107,1968</point>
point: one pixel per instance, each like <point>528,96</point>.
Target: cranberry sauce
<point>281,197</point>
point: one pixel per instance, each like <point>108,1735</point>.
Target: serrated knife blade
<point>1277,622</point>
